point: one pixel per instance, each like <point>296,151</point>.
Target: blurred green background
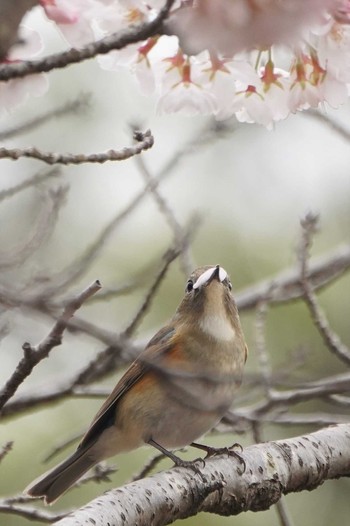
<point>251,187</point>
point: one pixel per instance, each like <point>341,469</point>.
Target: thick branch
<point>272,469</point>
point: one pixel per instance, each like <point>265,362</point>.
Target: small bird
<point>179,387</point>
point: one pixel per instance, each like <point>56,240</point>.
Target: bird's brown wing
<point>105,417</point>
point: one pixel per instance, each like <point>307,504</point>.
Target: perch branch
<point>272,470</point>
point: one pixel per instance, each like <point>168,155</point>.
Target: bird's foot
<point>191,464</point>
<point>229,451</point>
<point>178,462</point>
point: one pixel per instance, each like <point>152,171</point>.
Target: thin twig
<point>80,266</point>
<point>28,183</point>
<point>168,214</point>
<point>260,345</point>
<point>42,230</point>
<point>330,338</point>
<point>34,354</point>
<point>286,286</point>
<point>61,446</point>
<point>147,468</point>
<point>5,450</point>
<point>71,107</point>
<point>31,513</point>
<point>145,142</point>
<point>167,259</point>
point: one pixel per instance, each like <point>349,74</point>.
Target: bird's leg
<point>177,460</point>
<point>230,451</point>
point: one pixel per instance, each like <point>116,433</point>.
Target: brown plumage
<point>179,387</point>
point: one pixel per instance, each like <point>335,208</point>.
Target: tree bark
<point>272,469</point>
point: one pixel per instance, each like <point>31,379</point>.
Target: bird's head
<point>208,304</point>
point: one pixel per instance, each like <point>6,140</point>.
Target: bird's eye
<point>230,285</point>
<point>189,285</point>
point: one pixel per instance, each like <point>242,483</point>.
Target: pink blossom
<point>60,11</point>
<point>185,94</point>
<point>16,91</point>
<point>229,26</point>
<point>341,12</point>
<point>74,19</point>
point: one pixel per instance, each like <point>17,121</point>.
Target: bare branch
<point>169,215</point>
<point>145,141</point>
<point>169,256</point>
<point>272,469</point>
<point>41,231</point>
<point>118,40</point>
<point>61,446</point>
<point>30,513</point>
<point>75,106</point>
<point>28,183</point>
<point>283,512</point>
<point>286,286</point>
<point>260,345</point>
<point>34,354</point>
<point>147,468</point>
<point>78,268</point>
<point>330,338</point>
<point>5,450</point>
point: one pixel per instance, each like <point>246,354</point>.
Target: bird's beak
<point>213,273</point>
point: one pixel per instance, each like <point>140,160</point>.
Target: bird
<point>178,388</point>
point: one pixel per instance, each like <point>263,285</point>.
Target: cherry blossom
<point>16,91</point>
<point>230,26</point>
<point>259,60</point>
<point>73,19</point>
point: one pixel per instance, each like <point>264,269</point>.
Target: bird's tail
<point>52,484</point>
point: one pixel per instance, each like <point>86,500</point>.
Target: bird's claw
<point>191,464</point>
<point>229,451</point>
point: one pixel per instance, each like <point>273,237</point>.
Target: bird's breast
<point>217,327</point>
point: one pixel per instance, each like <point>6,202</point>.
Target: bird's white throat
<point>217,327</point>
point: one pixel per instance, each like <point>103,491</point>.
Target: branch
<point>75,106</point>
<point>272,470</point>
<point>286,286</point>
<point>28,183</point>
<point>330,338</point>
<point>118,40</point>
<point>41,231</point>
<point>29,512</point>
<point>33,355</point>
<point>167,212</point>
<point>5,450</point>
<point>181,243</point>
<point>144,142</point>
